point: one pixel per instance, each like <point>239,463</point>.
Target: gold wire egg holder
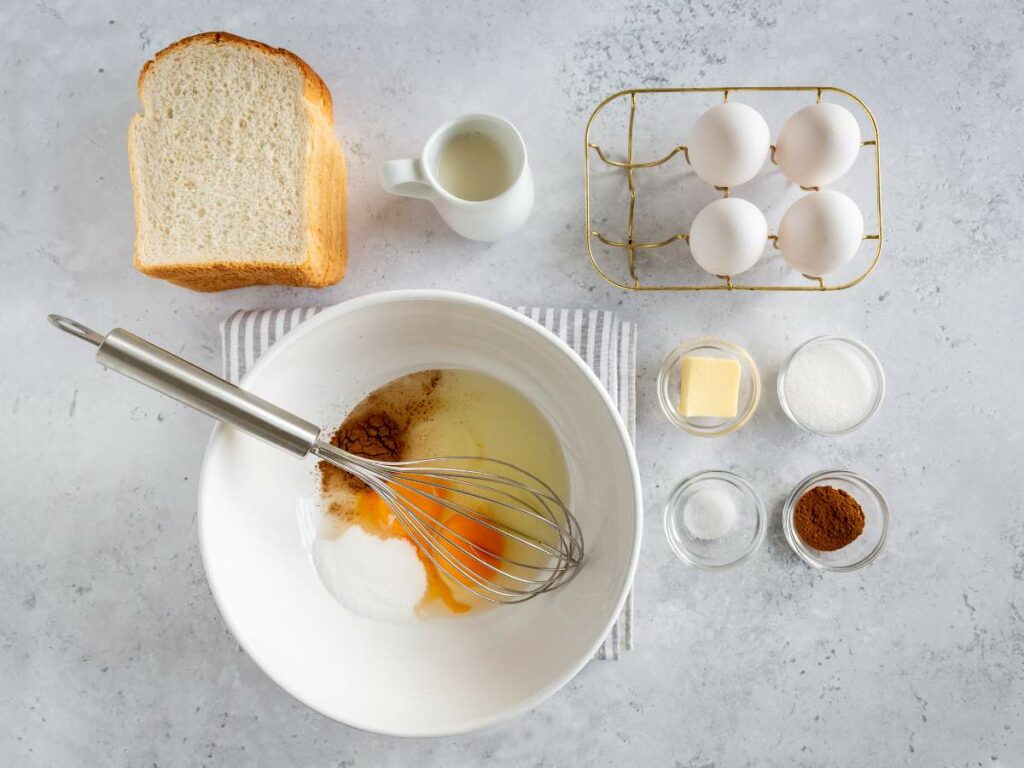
<point>632,247</point>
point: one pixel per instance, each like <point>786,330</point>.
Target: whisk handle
<point>157,368</point>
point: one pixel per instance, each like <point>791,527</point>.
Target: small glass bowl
<point>871,362</point>
<point>668,387</point>
<point>736,546</point>
<point>861,550</point>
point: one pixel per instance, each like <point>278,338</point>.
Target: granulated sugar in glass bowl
<point>714,520</point>
<point>831,385</point>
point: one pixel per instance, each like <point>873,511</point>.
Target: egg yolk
<point>478,551</point>
<point>374,514</point>
<point>423,497</point>
<point>478,539</point>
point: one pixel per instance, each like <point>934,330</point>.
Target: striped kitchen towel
<point>606,343</point>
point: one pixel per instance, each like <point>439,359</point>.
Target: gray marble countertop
<point>112,651</point>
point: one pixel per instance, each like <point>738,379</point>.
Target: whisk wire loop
<point>539,546</point>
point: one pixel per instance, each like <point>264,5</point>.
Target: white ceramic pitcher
<point>486,220</point>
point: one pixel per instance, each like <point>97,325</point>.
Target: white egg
<point>821,232</point>
<point>728,236</point>
<point>818,144</point>
<point>729,144</point>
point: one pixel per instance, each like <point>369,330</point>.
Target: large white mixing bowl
<point>443,676</point>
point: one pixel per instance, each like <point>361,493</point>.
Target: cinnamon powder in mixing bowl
<point>376,428</point>
<point>376,436</point>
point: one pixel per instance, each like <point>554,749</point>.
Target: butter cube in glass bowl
<point>709,387</point>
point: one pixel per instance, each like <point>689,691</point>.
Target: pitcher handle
<point>405,177</point>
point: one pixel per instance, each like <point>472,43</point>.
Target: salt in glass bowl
<point>871,363</point>
<point>668,387</point>
<point>862,550</point>
<point>733,548</point>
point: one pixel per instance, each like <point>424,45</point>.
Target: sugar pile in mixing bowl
<point>379,579</point>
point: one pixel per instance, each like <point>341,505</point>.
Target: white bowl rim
<point>429,294</point>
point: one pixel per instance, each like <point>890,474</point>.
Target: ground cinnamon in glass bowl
<point>828,518</point>
<point>836,520</point>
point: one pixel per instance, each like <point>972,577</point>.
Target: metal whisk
<point>533,542</point>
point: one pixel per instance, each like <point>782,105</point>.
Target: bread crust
<point>326,236</point>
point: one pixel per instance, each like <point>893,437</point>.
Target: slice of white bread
<point>238,176</point>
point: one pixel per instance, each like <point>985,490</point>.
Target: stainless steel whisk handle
<point>157,368</point>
